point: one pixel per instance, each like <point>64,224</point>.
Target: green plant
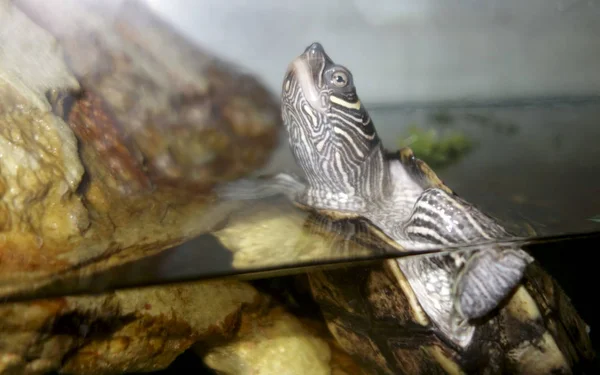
<point>436,150</point>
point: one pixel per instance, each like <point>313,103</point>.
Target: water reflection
<point>205,258</point>
<point>539,179</point>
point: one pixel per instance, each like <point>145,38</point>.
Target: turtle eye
<point>339,79</point>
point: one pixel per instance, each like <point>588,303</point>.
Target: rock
<point>279,343</point>
<point>113,131</point>
<point>124,331</point>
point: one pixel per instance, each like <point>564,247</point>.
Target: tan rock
<point>278,343</point>
<point>125,331</point>
<point>113,131</point>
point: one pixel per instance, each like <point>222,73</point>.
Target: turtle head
<point>331,134</point>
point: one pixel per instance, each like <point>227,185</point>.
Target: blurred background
<point>411,51</point>
<point>421,67</point>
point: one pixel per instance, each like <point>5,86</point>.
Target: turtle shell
<point>376,317</point>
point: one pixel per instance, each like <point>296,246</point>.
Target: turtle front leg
<point>487,278</point>
<point>457,286</point>
<point>485,274</point>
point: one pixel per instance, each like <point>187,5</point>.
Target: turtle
<point>483,305</point>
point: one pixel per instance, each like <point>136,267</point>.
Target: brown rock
<point>113,131</point>
<point>124,331</point>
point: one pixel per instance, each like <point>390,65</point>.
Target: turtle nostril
<point>315,47</point>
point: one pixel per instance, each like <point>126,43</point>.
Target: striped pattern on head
<point>330,132</point>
